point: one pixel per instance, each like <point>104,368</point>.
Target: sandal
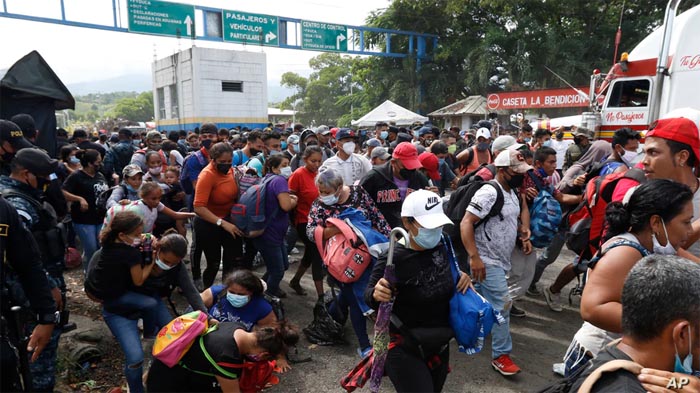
<point>296,286</point>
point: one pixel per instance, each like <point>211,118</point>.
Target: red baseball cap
<point>678,129</point>
<point>431,164</point>
<point>407,153</point>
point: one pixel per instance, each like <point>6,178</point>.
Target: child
<point>133,177</point>
<point>155,167</point>
<point>175,200</point>
<point>147,207</point>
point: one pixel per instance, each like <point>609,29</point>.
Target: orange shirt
<point>302,184</point>
<point>215,191</point>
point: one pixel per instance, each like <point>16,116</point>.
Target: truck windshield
<point>629,93</point>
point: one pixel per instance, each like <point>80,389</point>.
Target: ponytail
<point>277,339</point>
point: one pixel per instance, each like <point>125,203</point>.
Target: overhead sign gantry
<point>181,20</point>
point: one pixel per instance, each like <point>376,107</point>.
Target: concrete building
<point>204,85</point>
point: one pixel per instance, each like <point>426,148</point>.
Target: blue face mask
<point>162,265</point>
<point>130,188</point>
<point>329,200</point>
<point>685,366</point>
<point>74,160</point>
<point>428,238</point>
<point>284,145</point>
<point>527,140</point>
<point>275,152</point>
<point>384,134</point>
<point>236,300</point>
<point>136,142</point>
<point>547,143</point>
<point>296,147</point>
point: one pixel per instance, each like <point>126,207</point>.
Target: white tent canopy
<point>388,111</point>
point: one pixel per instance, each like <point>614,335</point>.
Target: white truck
<point>660,75</point>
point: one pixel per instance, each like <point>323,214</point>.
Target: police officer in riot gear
<point>21,270</point>
<point>31,169</point>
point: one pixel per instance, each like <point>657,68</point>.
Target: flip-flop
<point>296,286</point>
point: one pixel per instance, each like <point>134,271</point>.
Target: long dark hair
<point>276,339</point>
<point>246,279</point>
<point>173,242</point>
<point>661,197</point>
<point>122,222</point>
<point>273,162</point>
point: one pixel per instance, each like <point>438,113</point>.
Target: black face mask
<point>42,183</point>
<point>516,181</point>
<point>482,146</point>
<point>312,143</point>
<point>206,143</point>
<point>560,135</point>
<point>577,140</point>
<point>223,168</point>
<point>254,152</point>
<point>406,173</point>
<point>7,157</point>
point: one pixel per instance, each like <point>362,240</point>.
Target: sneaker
<point>362,353</point>
<point>553,300</point>
<point>504,365</point>
<point>517,312</point>
<point>199,284</point>
<point>533,291</point>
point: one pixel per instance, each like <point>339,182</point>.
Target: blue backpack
<point>545,215</point>
<point>185,181</point>
<point>471,316</point>
<point>249,213</point>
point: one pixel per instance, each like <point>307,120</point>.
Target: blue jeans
<point>89,237</point>
<point>127,332</point>
<point>495,289</point>
<point>276,261</point>
<point>347,298</point>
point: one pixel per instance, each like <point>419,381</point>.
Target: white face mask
<point>630,158</point>
<point>349,147</point>
<point>155,171</point>
<point>663,250</point>
<point>286,171</point>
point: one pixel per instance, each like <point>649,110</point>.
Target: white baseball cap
<point>483,131</point>
<point>512,159</point>
<point>426,208</point>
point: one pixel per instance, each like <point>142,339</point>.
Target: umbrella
<point>381,325</point>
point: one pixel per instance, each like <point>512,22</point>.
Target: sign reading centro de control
<point>324,36</point>
<point>250,28</point>
<point>161,17</point>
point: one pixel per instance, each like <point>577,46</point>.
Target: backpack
<point>456,208</point>
<point>472,176</point>
<point>101,200</point>
<point>471,316</point>
<point>185,181</point>
<point>245,178</point>
<point>586,222</point>
<point>344,254</point>
<point>566,384</point>
<point>545,215</point>
<point>176,338</point>
<point>249,214</point>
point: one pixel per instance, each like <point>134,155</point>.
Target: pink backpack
<point>176,338</point>
<point>345,256</point>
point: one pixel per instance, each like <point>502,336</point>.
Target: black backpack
<point>457,207</point>
<point>101,200</point>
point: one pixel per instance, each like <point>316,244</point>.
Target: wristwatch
<point>218,222</point>
<point>48,319</point>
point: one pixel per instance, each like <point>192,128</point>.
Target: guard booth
<point>30,86</point>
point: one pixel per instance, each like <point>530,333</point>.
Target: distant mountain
<point>131,82</point>
<point>143,82</point>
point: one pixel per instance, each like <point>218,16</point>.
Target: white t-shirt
<point>560,147</point>
<point>353,169</point>
<point>496,238</point>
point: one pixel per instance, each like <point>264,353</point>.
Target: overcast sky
<point>81,54</point>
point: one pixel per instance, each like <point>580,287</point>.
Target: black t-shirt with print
<point>89,187</point>
<point>620,381</point>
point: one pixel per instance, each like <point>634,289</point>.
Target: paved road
<point>539,339</point>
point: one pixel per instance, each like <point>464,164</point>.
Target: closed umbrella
<point>381,325</point>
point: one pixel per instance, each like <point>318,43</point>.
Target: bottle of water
<point>147,249</point>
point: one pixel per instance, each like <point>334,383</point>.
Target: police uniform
<point>40,219</point>
<point>21,265</point>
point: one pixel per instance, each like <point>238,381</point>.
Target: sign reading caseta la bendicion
<point>248,28</point>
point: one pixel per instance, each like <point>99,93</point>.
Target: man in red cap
<point>389,184</point>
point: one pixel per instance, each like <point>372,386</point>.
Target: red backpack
<point>587,220</point>
<point>345,256</point>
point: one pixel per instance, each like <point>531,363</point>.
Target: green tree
<point>322,97</point>
<point>139,108</point>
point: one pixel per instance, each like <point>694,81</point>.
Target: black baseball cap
<point>11,133</point>
<point>36,161</point>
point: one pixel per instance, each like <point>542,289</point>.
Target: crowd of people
<point>131,200</point>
